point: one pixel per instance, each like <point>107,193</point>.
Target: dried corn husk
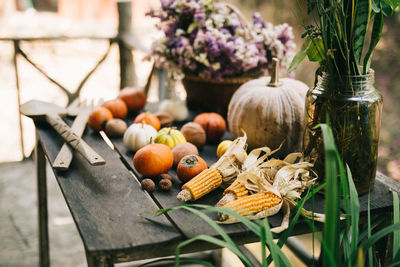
<point>252,161</point>
<point>227,167</point>
<point>230,164</point>
<point>289,177</point>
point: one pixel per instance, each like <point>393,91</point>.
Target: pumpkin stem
<point>274,82</point>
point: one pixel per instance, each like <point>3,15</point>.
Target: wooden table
<point>105,202</point>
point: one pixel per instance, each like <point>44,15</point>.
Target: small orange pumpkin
<point>117,107</point>
<point>189,166</point>
<point>153,159</point>
<point>213,124</point>
<point>148,118</point>
<point>134,98</point>
<point>98,117</point>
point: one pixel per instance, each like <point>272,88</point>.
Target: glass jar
<point>354,108</point>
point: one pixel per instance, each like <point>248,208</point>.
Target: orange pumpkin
<point>117,107</point>
<point>189,166</point>
<point>213,124</point>
<point>98,117</point>
<point>134,98</point>
<point>149,119</point>
<point>153,159</point>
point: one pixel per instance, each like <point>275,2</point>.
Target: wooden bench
<point>105,203</point>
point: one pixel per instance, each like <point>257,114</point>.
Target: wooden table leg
<point>44,259</point>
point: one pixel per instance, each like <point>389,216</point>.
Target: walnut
<point>165,184</point>
<point>148,185</point>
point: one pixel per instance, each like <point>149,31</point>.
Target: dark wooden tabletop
<point>106,202</point>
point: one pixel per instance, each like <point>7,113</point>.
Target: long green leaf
<point>215,241</point>
<point>386,9</point>
<point>182,259</point>
<point>375,5</point>
<point>355,217</point>
<point>372,226</point>
<point>370,258</point>
<point>375,37</point>
<point>298,58</point>
<point>378,235</point>
<point>249,224</point>
<point>252,226</point>
<point>263,241</point>
<point>396,235</point>
<point>322,241</point>
<point>332,197</point>
<point>279,258</point>
<point>284,236</point>
<point>211,222</point>
<point>393,3</point>
<point>219,230</point>
<point>361,22</point>
<point>316,51</point>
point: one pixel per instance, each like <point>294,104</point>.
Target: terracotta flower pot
<point>210,95</point>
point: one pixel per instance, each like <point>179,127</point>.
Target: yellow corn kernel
<point>252,204</point>
<point>237,188</point>
<point>203,183</point>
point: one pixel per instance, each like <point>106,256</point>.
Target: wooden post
<point>21,129</point>
<point>44,258</point>
<point>127,68</point>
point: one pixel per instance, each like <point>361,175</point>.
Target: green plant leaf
<point>355,217</point>
<point>249,224</point>
<point>375,5</point>
<point>263,241</point>
<point>298,58</point>
<point>396,235</point>
<point>372,226</point>
<point>278,257</point>
<point>361,22</point>
<point>386,8</point>
<point>310,6</point>
<point>284,236</point>
<point>375,37</point>
<point>182,259</point>
<point>316,51</point>
<point>370,259</point>
<point>219,230</point>
<point>378,235</point>
<point>215,241</point>
<point>332,199</point>
<point>393,3</point>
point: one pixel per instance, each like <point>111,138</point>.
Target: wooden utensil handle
<point>64,157</point>
<point>74,140</point>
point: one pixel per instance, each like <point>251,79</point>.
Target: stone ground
<point>18,223</point>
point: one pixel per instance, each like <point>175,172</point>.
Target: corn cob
<point>266,202</point>
<point>236,190</point>
<point>201,184</point>
<point>223,172</point>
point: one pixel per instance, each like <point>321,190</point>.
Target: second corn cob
<point>236,190</point>
<point>252,204</point>
<point>204,182</point>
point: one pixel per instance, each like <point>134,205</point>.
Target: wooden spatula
<point>81,110</point>
<point>41,110</point>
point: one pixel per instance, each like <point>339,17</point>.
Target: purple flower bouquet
<point>213,41</point>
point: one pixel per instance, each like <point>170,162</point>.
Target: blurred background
<point>68,60</point>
